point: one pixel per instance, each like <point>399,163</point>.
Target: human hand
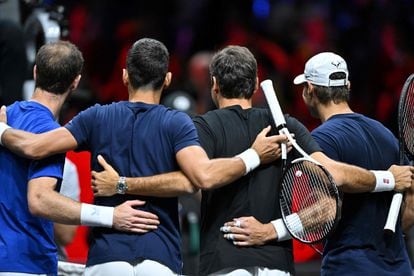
<point>268,147</point>
<point>3,115</point>
<point>248,231</point>
<point>129,219</point>
<point>104,182</point>
<point>403,176</point>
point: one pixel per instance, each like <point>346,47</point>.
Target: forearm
<point>44,201</point>
<point>164,185</point>
<point>352,179</point>
<point>348,178</point>
<point>20,143</point>
<point>38,146</point>
<point>216,173</point>
<point>53,206</point>
<point>207,173</point>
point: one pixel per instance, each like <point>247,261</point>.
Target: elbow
<point>35,207</point>
<point>27,150</point>
<point>36,201</point>
<point>192,189</point>
<point>204,181</point>
<point>31,153</point>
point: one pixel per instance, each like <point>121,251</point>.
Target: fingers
<point>265,131</point>
<point>3,117</point>
<point>135,202</point>
<point>144,219</point>
<point>147,217</point>
<point>140,228</point>
<point>234,223</point>
<point>103,163</point>
<point>281,138</point>
<point>238,239</point>
<point>233,227</point>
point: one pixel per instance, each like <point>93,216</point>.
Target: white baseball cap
<point>319,67</point>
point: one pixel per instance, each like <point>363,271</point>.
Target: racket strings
<point>406,119</point>
<point>308,192</point>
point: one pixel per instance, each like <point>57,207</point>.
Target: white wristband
<point>294,223</point>
<point>281,230</point>
<point>250,158</point>
<point>384,181</point>
<point>93,215</point>
<point>3,127</point>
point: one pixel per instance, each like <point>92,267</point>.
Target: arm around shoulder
<point>38,146</point>
<point>353,179</point>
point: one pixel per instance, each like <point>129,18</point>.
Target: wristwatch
<point>121,186</point>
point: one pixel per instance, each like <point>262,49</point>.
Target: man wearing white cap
<point>358,245</point>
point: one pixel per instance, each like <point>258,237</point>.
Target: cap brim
<point>299,79</point>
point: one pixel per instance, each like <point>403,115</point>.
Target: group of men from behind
<point>152,154</point>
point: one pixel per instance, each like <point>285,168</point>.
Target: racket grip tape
<point>393,212</point>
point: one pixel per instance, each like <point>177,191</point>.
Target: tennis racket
<point>309,198</point>
<point>406,143</point>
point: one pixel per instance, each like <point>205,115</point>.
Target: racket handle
<point>270,94</point>
<point>393,213</point>
<point>284,151</point>
<point>284,155</point>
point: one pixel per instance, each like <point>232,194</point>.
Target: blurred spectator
<point>13,64</point>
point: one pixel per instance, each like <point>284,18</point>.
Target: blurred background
<point>374,37</point>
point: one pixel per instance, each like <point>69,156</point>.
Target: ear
<point>310,89</point>
<point>34,72</point>
<point>256,87</point>
<point>348,85</point>
<point>214,86</point>
<point>125,77</point>
<point>167,80</point>
<point>75,82</point>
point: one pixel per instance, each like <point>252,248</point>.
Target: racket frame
<point>397,198</point>
<point>280,122</point>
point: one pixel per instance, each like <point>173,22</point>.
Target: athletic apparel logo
<point>386,181</point>
<point>336,64</point>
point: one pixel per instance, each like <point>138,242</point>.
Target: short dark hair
<point>147,63</point>
<point>57,66</point>
<point>336,94</point>
<point>235,69</point>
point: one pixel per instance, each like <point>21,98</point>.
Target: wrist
<point>270,232</point>
<point>3,128</point>
<point>121,185</point>
<point>281,230</point>
<point>384,181</point>
<point>250,159</point>
<point>93,215</point>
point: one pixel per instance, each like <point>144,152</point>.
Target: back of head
<point>147,64</point>
<point>328,72</point>
<point>57,66</point>
<point>235,70</point>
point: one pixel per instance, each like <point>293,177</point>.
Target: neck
<point>327,111</point>
<point>53,102</point>
<point>148,96</point>
<point>244,103</point>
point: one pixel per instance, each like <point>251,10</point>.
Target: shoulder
<point>32,116</point>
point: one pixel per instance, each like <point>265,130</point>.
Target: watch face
<point>121,187</point>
